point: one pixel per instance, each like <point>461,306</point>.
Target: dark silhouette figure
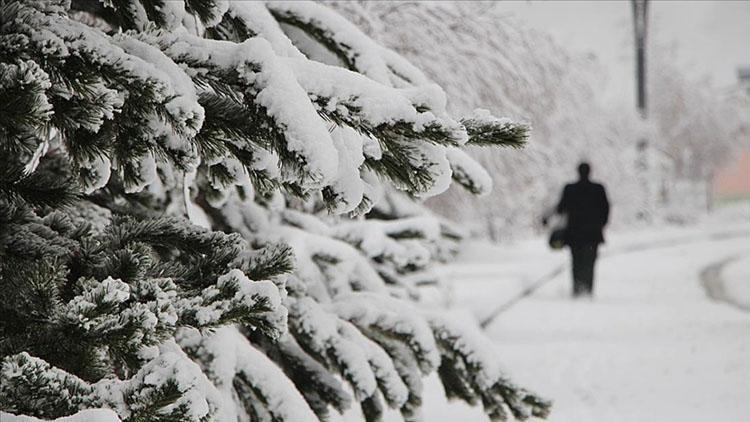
<point>587,209</point>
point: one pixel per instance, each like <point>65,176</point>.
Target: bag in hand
<point>557,238</point>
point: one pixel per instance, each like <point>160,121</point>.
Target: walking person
<point>586,207</point>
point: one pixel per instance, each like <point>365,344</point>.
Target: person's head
<point>584,170</point>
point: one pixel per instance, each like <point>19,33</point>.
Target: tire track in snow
<point>713,283</point>
<point>636,247</point>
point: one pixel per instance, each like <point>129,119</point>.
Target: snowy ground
<point>652,346</point>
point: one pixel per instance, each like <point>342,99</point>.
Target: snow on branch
<point>395,317</point>
<point>358,51</point>
<point>252,18</point>
<point>319,333</point>
<point>87,415</point>
<point>468,173</point>
<point>170,386</point>
<point>238,369</point>
<point>350,98</point>
<point>470,371</point>
<point>279,105</point>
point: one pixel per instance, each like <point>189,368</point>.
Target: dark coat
<point>586,206</point>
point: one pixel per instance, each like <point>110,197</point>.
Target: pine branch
<point>485,130</point>
<point>38,189</point>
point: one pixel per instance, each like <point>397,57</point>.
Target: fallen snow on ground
<point>651,346</point>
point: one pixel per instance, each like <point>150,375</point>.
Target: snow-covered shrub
<point>187,230</point>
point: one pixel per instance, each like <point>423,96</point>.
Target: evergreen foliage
<point>129,127</point>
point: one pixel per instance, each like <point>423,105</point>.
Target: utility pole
<point>640,26</point>
<point>642,165</point>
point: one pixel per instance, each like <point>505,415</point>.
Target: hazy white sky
<point>712,37</point>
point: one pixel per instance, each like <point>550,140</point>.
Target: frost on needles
<point>200,221</point>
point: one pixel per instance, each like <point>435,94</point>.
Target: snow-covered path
<point>650,347</point>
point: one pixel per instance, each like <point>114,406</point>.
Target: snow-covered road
<point>650,347</point>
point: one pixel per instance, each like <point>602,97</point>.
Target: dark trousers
<point>584,258</point>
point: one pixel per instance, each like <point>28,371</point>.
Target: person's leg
<point>591,254</point>
<point>578,267</point>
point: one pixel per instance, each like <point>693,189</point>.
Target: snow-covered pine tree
<point>187,229</point>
